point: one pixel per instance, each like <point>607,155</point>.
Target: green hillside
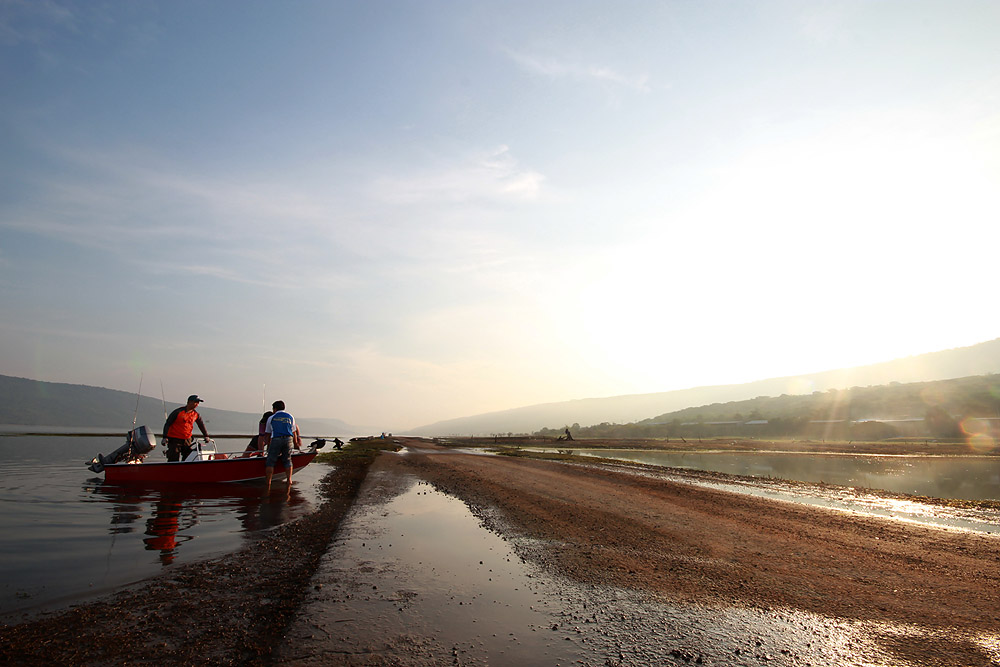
<point>940,409</point>
<point>980,359</point>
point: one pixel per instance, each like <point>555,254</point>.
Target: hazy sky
<point>400,212</point>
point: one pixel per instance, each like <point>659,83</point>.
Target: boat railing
<point>206,450</point>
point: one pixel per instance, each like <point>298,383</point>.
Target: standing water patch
<point>416,580</point>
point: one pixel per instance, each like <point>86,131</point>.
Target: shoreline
<point>236,610</point>
<point>223,611</point>
<point>915,446</point>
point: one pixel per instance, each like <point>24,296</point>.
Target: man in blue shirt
<point>280,434</point>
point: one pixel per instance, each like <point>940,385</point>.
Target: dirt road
<point>635,530</point>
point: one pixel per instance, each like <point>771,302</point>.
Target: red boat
<point>127,464</point>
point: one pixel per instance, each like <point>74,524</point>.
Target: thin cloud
<point>141,208</point>
<point>32,22</point>
<point>132,196</point>
<point>495,177</point>
<point>129,201</point>
<point>556,69</point>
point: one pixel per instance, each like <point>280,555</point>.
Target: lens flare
<point>978,434</point>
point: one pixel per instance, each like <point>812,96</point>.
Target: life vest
<point>183,424</point>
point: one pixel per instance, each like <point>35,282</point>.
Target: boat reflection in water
<point>170,516</point>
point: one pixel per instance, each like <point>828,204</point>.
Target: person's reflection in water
<point>162,526</point>
<point>261,513</point>
<point>249,513</point>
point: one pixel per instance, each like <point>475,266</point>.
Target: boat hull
<point>200,472</point>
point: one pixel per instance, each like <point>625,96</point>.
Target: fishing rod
<point>164,399</point>
<point>138,395</point>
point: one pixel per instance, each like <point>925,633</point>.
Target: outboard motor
<point>318,443</point>
<point>138,443</point>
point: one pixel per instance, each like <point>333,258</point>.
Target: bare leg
<point>268,473</point>
<point>288,477</point>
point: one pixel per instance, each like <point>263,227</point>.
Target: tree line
<point>943,409</point>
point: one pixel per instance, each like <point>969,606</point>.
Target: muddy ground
<point>686,543</point>
<point>593,524</point>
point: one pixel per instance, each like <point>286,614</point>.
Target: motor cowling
<point>138,443</point>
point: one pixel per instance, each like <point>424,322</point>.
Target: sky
<point>399,212</point>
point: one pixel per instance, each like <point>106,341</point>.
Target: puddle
<point>418,580</point>
<point>959,477</point>
<point>854,501</point>
<point>842,498</point>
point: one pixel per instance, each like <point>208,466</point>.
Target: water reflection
<point>858,481</point>
<point>958,477</point>
<point>163,527</point>
<point>173,513</point>
<point>67,536</point>
<point>425,571</point>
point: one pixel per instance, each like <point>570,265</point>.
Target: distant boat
<point>205,465</point>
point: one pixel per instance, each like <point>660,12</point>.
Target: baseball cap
<point>194,397</point>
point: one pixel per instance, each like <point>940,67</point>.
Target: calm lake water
<point>963,477</point>
<point>66,535</point>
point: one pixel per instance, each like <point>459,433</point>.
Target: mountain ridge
<point>978,359</point>
<point>37,403</point>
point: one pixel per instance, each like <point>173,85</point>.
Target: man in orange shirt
<point>178,428</point>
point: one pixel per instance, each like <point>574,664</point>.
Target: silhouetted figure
<point>254,446</point>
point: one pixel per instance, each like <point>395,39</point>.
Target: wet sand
<point>929,595</point>
<point>440,588</point>
<point>646,569</point>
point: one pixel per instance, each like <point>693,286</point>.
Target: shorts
<point>279,448</point>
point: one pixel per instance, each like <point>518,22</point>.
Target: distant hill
<point>961,408</point>
<point>39,404</point>
<point>980,359</point>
